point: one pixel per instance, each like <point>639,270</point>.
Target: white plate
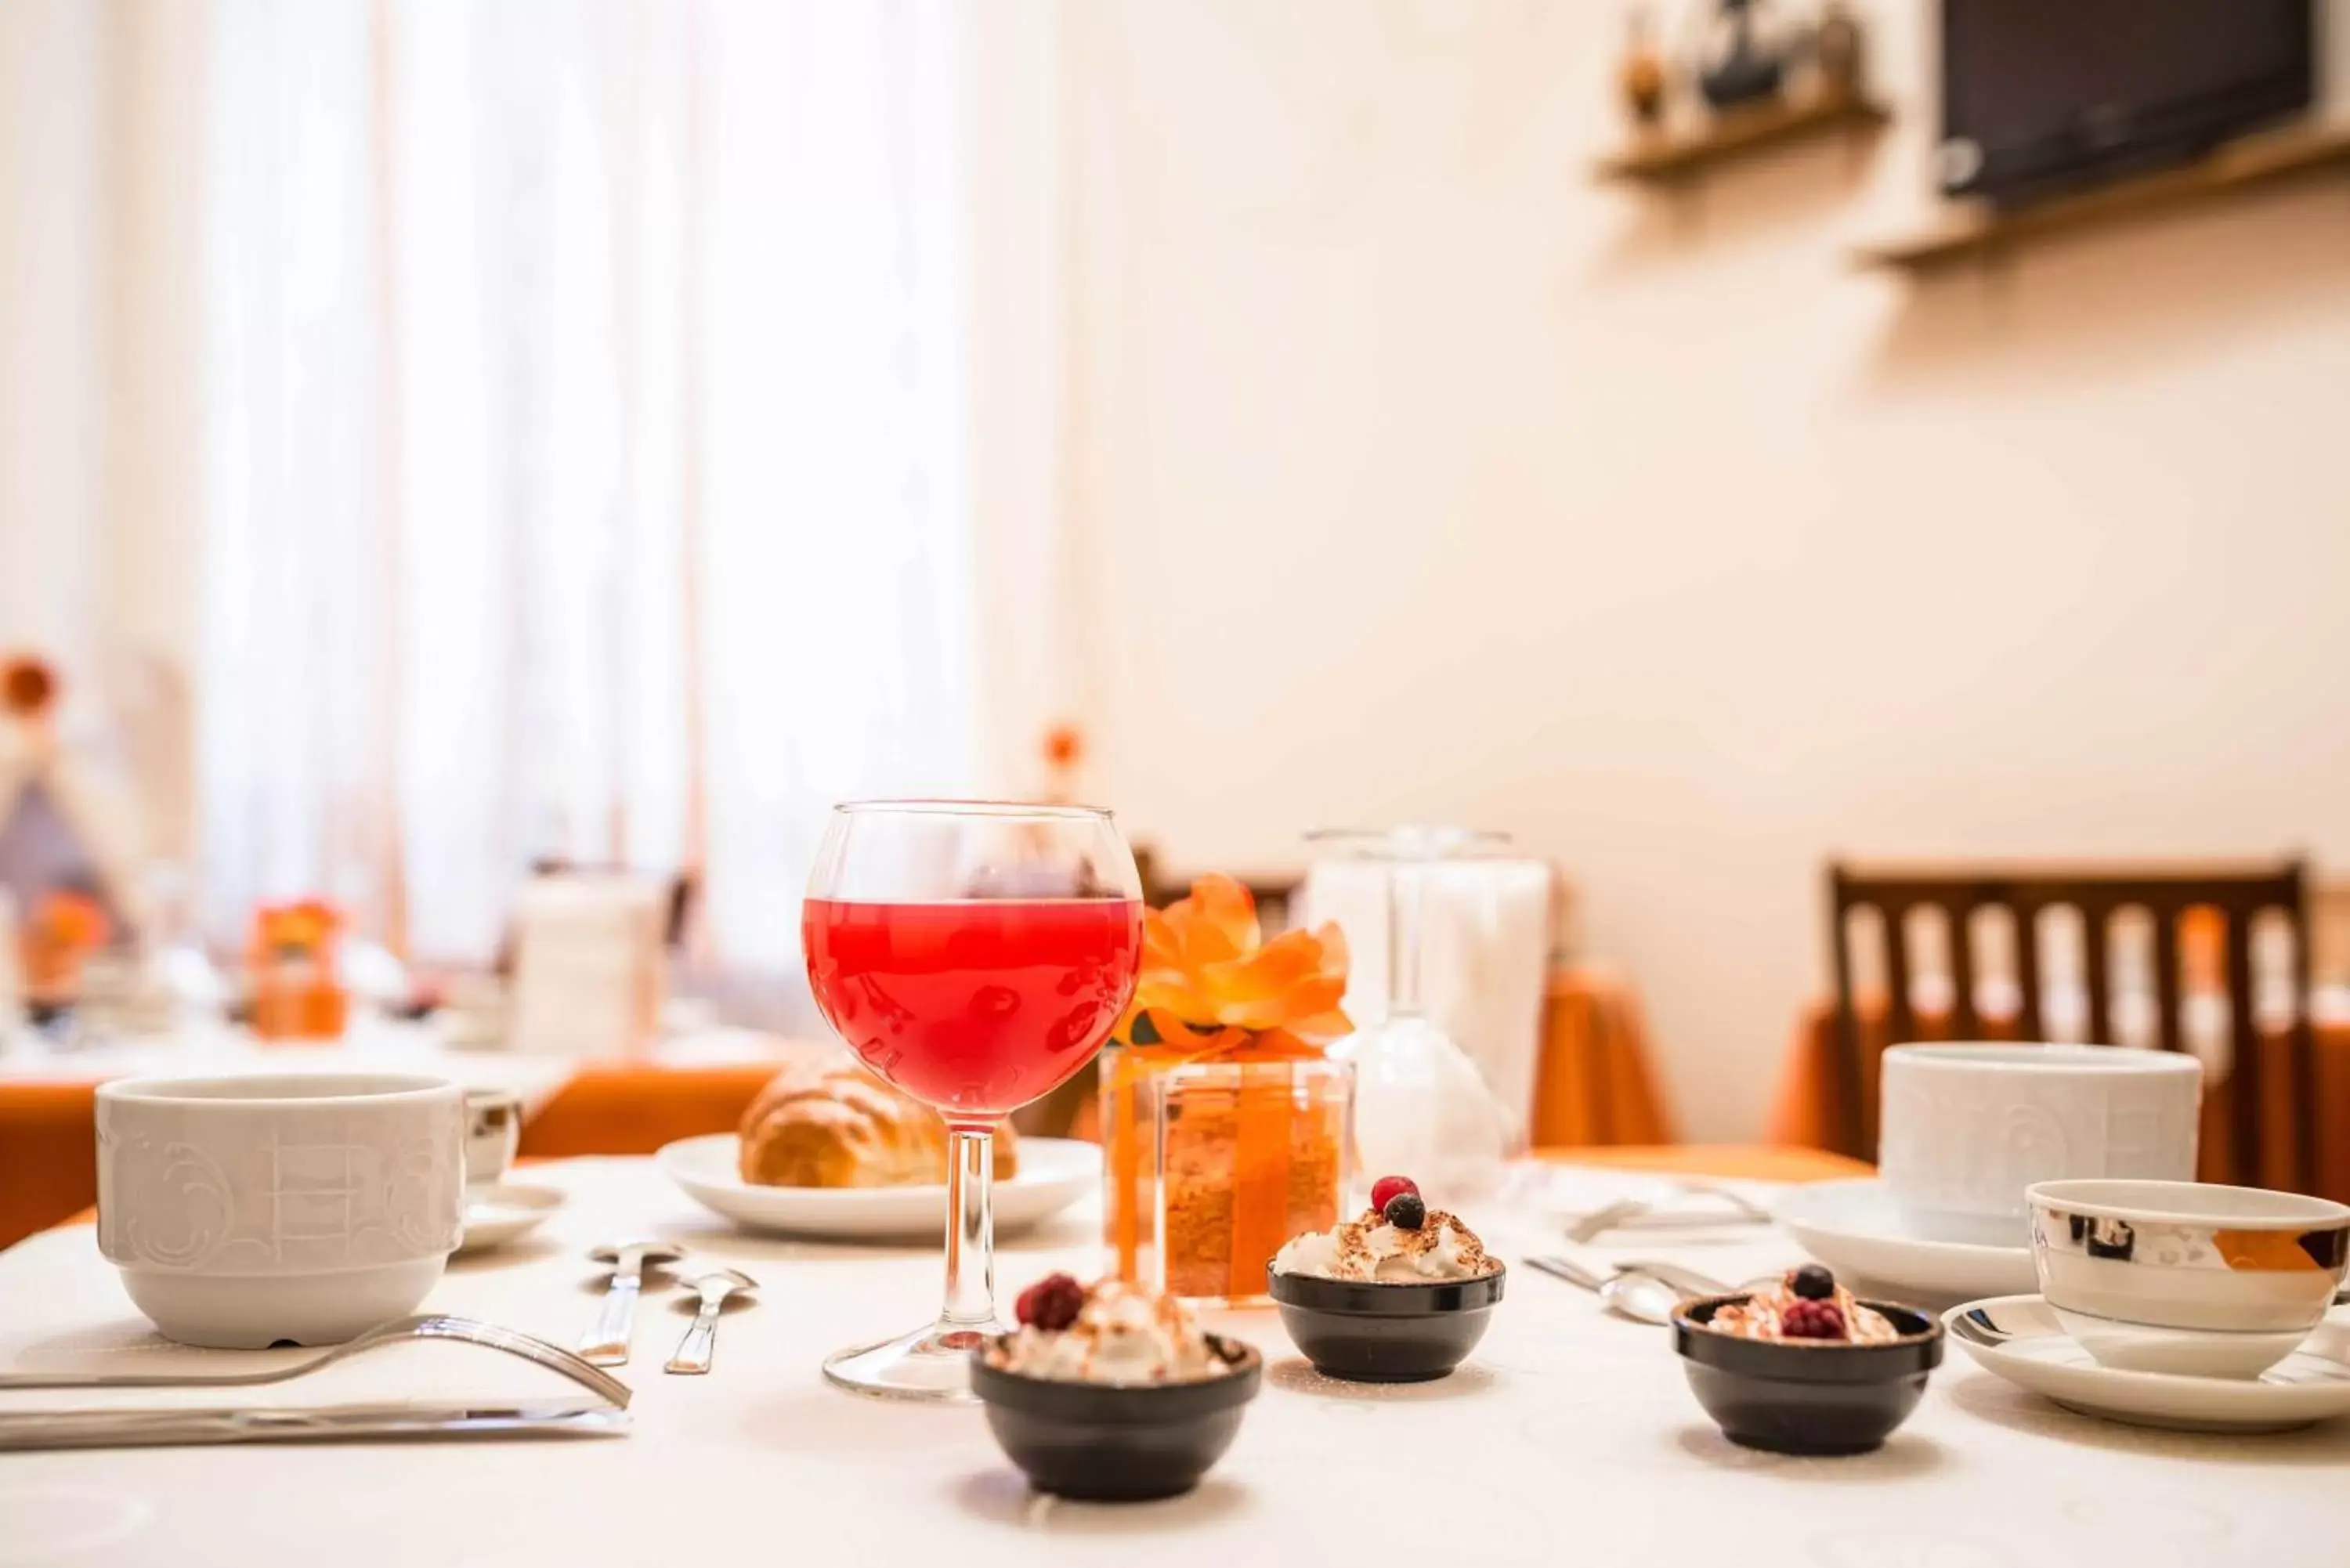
<point>1055,1172</point>
<point>504,1212</point>
<point>1852,1228</point>
<point>2018,1338</point>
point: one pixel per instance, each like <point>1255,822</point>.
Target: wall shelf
<point>1677,156</point>
<point>1981,232</point>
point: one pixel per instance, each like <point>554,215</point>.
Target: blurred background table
<point>686,1086</point>
<point>1595,1087</point>
<point>1595,1074</point>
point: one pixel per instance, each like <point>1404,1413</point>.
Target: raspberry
<point>1051,1304</point>
<point>1812,1320</point>
<point>1387,1187</point>
<point>1405,1211</point>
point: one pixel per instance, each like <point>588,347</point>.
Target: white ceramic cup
<point>493,1134</point>
<point>244,1210</point>
<point>2181,1277</point>
<point>1965,1128</point>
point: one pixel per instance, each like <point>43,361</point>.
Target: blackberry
<point>1405,1211</point>
<point>1813,1282</point>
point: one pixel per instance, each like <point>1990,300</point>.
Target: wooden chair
<point>1161,888</point>
<point>2171,898</point>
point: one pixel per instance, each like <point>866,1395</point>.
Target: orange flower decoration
<point>303,927</point>
<point>74,921</point>
<point>27,686</point>
<point>1210,980</point>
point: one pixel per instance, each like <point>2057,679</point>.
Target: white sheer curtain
<point>587,442</point>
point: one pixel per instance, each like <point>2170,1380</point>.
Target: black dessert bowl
<point>1382,1333</point>
<point>1102,1442</point>
<point>1806,1395</point>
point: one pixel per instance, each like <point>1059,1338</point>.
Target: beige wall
<point>1419,477</point>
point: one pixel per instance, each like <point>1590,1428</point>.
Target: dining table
<point>1569,1436</point>
<point>1596,1086</point>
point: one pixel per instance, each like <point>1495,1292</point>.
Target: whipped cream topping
<point>1758,1317</point>
<point>1372,1250</point>
<point>1123,1335</point>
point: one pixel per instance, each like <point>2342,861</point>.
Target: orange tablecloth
<point>1808,1110</point>
<point>622,1108</point>
<point>48,1156</point>
<point>1721,1161</point>
<point>1594,1081</point>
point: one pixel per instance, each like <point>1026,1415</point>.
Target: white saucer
<point>2018,1338</point>
<point>1055,1172</point>
<point>1851,1226</point>
<point>504,1212</point>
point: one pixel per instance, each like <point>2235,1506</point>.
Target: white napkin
<point>424,1374</point>
<point>589,969</point>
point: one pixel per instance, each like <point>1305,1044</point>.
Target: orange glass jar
<point>1210,1165</point>
<point>66,928</point>
<point>297,993</point>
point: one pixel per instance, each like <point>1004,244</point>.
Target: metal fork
<point>1743,1211</point>
<point>406,1330</point>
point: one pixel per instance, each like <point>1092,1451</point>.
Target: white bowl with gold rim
<point>2187,1277</point>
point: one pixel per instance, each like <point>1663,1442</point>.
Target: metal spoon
<point>1641,1297</point>
<point>1689,1282</point>
<point>694,1350</point>
<point>606,1343</point>
<point>1631,1291</point>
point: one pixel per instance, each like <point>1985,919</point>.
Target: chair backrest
<point>684,887</point>
<point>2192,898</point>
<point>1161,887</point>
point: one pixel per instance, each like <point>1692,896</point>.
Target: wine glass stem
<point>1406,896</point>
<point>970,1230</point>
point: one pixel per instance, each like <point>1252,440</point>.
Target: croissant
<point>827,1122</point>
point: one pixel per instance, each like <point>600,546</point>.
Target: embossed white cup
<point>493,1135</point>
<point>248,1210</point>
<point>1965,1128</point>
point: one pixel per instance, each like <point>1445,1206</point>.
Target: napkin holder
<point>590,971</point>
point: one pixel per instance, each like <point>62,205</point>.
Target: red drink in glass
<point>973,1004</point>
<point>977,1007</point>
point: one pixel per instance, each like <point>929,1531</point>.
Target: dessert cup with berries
<point>1806,1368</point>
<point>1111,1393</point>
<point>1401,1294</point>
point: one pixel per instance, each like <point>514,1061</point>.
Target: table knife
<point>165,1428</point>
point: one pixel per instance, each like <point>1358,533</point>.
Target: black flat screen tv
<point>2042,97</point>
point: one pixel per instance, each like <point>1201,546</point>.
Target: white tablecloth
<point>1571,1439</point>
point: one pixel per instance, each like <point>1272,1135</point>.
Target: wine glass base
<point>931,1364</point>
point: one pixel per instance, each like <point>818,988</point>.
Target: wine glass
<point>976,955</point>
